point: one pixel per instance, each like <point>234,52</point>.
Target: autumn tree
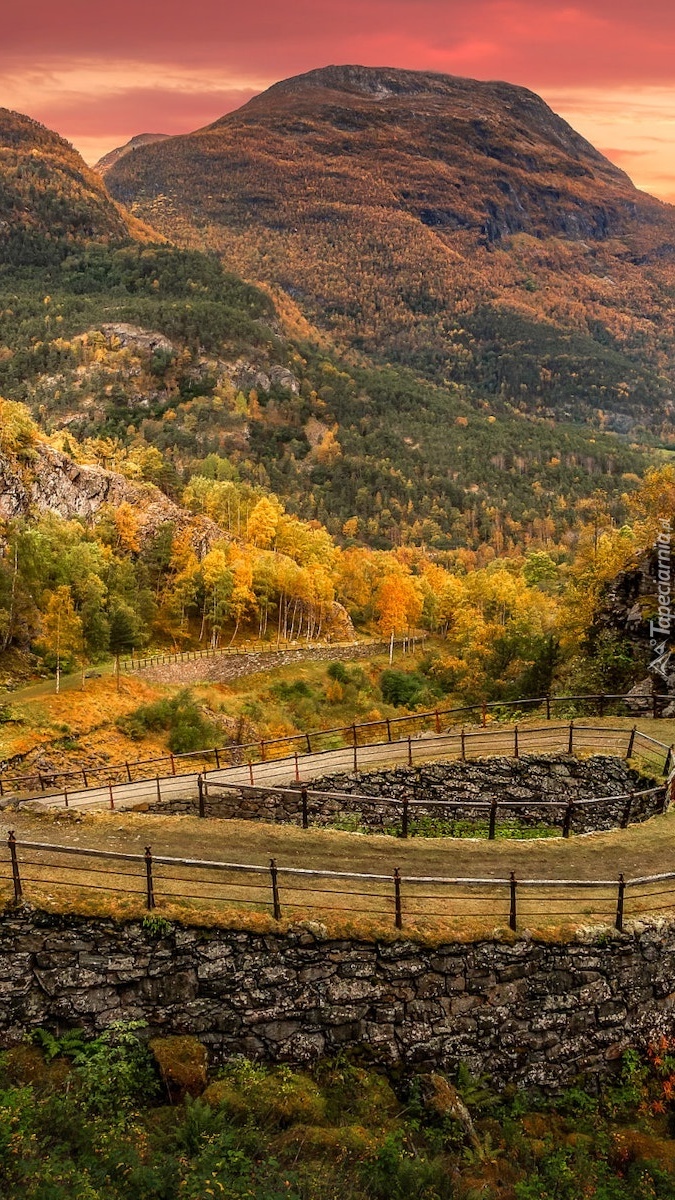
<point>61,628</point>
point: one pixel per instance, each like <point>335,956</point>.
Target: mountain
<point>160,353</point>
<point>457,227</point>
<point>50,201</point>
<point>113,156</point>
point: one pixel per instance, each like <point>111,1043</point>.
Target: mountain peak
<point>382,81</point>
<point>113,156</point>
<point>50,200</point>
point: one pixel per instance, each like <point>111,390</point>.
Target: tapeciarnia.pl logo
<point>660,628</point>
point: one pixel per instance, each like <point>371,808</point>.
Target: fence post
<point>128,772</point>
<point>548,707</point>
<point>410,760</point>
<point>513,913</point>
<point>159,791</point>
<point>250,771</point>
<point>404,821</point>
<point>305,812</point>
<point>631,742</point>
<point>388,730</point>
<point>463,745</point>
<point>397,899</point>
<point>275,889</point>
<point>669,760</point>
<point>200,788</point>
<point>355,736</point>
<point>627,811</point>
<point>570,748</point>
<point>620,903</point>
<point>484,714</point>
<point>173,765</point>
<point>438,721</point>
<point>515,741</point>
<point>567,821</point>
<point>356,759</point>
<point>84,778</point>
<point>149,885</point>
<point>111,795</point>
<point>16,877</point>
<point>65,797</point>
<point>262,751</point>
<point>309,743</point>
<point>601,705</point>
<point>493,820</point>
<point>215,751</point>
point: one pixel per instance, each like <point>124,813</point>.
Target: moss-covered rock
<point>182,1063</point>
<point>273,1097</point>
<point>26,1066</point>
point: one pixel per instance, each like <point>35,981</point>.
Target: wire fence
<point>463,744</point>
<point>35,870</point>
<point>387,730</point>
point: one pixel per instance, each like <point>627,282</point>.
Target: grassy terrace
<point>366,907</point>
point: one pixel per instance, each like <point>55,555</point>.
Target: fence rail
<point>30,870</point>
<point>141,662</point>
<point>405,809</point>
<point>313,741</point>
<point>463,744</point>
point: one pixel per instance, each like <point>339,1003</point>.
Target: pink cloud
<point>170,67</point>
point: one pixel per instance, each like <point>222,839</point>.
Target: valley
<point>339,429</point>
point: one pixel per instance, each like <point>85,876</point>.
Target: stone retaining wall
<point>528,779</point>
<point>531,1012</point>
<point>224,667</point>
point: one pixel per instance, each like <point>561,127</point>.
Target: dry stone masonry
<point>533,1012</point>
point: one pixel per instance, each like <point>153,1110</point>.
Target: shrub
<point>338,672</point>
<point>116,1070</point>
<point>180,716</point>
<point>404,689</point>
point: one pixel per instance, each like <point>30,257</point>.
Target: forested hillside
<point>145,350</point>
<point>192,463</point>
<point>456,227</point>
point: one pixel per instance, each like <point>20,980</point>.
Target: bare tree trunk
<point>58,653</point>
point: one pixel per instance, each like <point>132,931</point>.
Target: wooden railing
<point>463,743</point>
<point>312,741</point>
<point>309,801</point>
<point>140,662</point>
<point>32,870</point>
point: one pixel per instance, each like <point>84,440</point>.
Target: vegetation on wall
<point>111,1119</point>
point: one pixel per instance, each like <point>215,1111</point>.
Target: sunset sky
<point>100,73</point>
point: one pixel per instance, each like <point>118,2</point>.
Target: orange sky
<point>99,74</point>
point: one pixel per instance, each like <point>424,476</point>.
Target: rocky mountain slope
<point>151,348</point>
<point>459,227</point>
<point>45,480</point>
<point>113,156</point>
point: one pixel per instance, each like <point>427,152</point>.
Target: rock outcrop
<point>52,482</point>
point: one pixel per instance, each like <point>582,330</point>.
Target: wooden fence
<point>404,811</point>
<point>365,733</point>
<point>33,870</point>
<point>140,662</point>
<point>458,744</point>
